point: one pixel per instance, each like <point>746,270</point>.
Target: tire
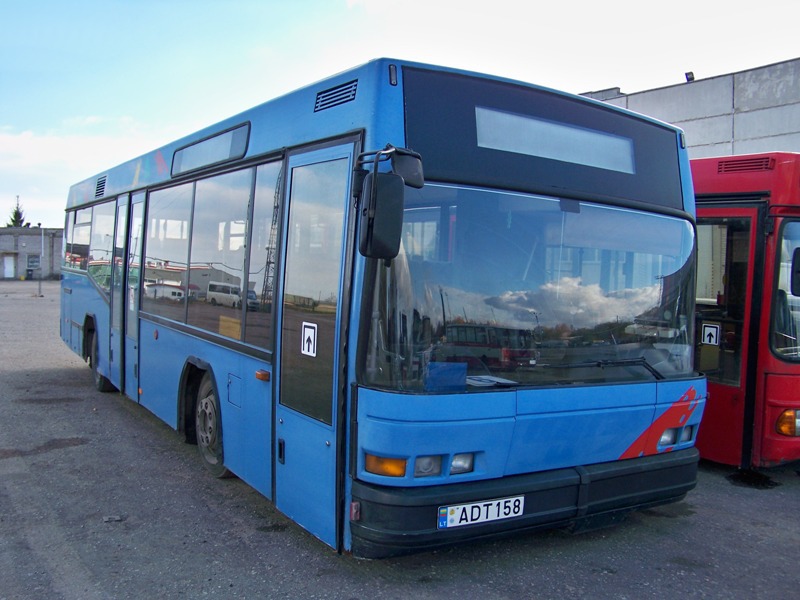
<point>208,428</point>
<point>100,381</point>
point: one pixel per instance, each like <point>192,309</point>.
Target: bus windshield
<point>495,288</point>
<point>785,315</point>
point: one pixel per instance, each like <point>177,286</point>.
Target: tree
<point>17,217</point>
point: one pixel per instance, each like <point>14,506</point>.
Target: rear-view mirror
<point>381,198</point>
<point>381,215</point>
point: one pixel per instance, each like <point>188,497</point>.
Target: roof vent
<point>744,165</point>
<point>100,187</point>
<point>341,94</point>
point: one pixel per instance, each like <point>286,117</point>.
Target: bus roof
<point>292,119</point>
<point>774,173</point>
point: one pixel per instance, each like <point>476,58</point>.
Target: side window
<point>263,254</point>
<point>167,251</point>
<point>66,248</point>
<point>101,246</point>
<point>77,250</point>
<point>216,283</point>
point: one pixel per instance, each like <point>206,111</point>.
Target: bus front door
<point>314,300</point>
<point>729,251</point>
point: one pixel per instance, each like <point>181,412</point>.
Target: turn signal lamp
<point>380,465</point>
<point>789,423</point>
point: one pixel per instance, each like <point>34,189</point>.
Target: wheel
<point>208,428</point>
<point>100,381</point>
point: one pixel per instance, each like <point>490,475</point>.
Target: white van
<point>164,291</point>
<point>225,294</point>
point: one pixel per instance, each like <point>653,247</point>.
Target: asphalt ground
<point>99,499</point>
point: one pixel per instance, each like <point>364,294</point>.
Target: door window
<point>311,287</point>
<point>723,251</point>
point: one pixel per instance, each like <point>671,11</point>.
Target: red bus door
<point>730,250</point>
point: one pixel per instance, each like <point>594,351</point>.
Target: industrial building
<point>757,110</point>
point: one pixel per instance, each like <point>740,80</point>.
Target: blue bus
<point>468,304</point>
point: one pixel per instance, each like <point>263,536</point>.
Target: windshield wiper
<point>489,381</point>
<point>612,362</point>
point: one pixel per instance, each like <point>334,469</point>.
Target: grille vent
<point>100,187</point>
<point>743,165</point>
<point>341,94</point>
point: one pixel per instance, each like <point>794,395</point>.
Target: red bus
<point>748,307</point>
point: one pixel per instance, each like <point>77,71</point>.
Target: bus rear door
<point>730,250</point>
<point>116,356</point>
<point>133,284</point>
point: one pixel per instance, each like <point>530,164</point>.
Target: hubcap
<point>206,422</point>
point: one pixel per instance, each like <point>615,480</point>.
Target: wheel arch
<point>89,329</point>
<point>193,371</point>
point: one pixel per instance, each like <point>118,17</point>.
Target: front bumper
<point>399,520</point>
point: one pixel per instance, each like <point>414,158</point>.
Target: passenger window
<point>101,246</point>
<point>216,283</point>
<point>77,249</point>
<point>263,254</point>
<point>167,251</point>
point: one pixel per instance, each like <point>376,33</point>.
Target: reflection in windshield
<point>501,289</point>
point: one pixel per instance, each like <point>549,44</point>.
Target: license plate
<point>480,512</point>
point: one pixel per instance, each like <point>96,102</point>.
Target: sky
<point>88,84</point>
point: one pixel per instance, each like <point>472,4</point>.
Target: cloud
<point>568,301</point>
<point>40,167</point>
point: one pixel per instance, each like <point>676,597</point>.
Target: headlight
<point>668,438</point>
<point>462,463</point>
<point>427,466</point>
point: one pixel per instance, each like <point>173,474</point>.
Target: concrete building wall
<point>21,252</point>
<point>750,111</point>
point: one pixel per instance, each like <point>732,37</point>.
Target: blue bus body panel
<point>405,426</point>
<point>567,426</point>
<point>585,464</point>
<point>516,432</point>
<point>245,402</point>
<point>82,300</point>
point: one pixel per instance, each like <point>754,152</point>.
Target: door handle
<point>282,451</point>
